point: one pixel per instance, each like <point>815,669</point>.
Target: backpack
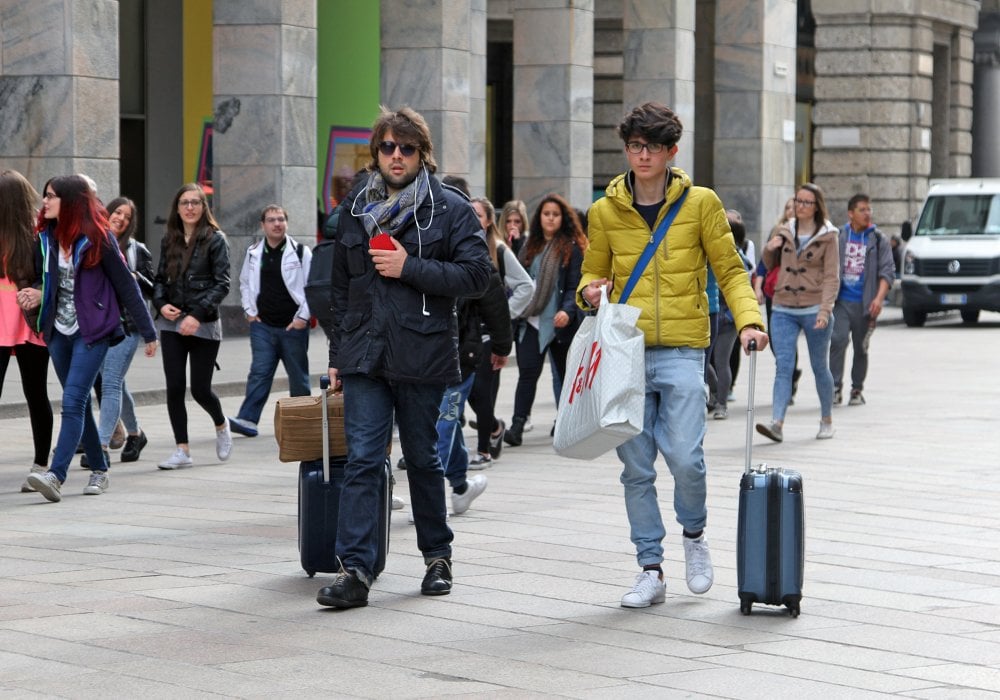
<point>321,275</point>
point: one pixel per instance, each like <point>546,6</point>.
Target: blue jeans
<point>784,339</point>
<point>451,442</point>
<point>76,365</point>
<point>369,404</point>
<point>674,425</point>
<point>115,400</point>
<point>268,344</point>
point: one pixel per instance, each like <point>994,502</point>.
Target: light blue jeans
<point>674,425</point>
<point>116,401</point>
<point>451,443</point>
<point>784,330</point>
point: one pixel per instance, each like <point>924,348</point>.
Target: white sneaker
<point>223,442</point>
<point>47,484</point>
<point>648,588</point>
<point>98,484</point>
<point>528,425</point>
<point>698,565</point>
<point>474,488</point>
<point>178,460</point>
<point>825,431</point>
<point>26,487</point>
<point>397,503</point>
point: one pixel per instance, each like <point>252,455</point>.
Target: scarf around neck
<point>548,271</point>
<point>390,213</point>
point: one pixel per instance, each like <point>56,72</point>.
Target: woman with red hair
<point>82,283</point>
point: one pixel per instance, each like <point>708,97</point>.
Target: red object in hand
<point>381,242</point>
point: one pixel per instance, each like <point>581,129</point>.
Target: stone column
<point>658,55</point>
<point>891,90</point>
<point>553,100</point>
<point>986,79</point>
<point>754,150</point>
<point>59,90</point>
<point>477,97</point>
<point>427,65</point>
<point>264,127</point>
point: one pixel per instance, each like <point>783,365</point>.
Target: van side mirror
<point>906,231</point>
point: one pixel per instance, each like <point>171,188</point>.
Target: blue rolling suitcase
<point>320,482</point>
<point>770,547</point>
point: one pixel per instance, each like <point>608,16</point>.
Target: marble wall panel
<point>425,24</point>
<point>455,85</point>
<point>91,53</point>
<point>95,117</point>
<point>297,193</point>
<point>739,22</point>
<point>738,67</point>
<point>300,13</point>
<point>656,54</point>
<point>540,93</point>
<point>41,126</point>
<point>847,63</point>
<point>411,77</point>
<point>104,171</point>
<point>771,78</point>
<point>298,119</point>
<point>247,59</point>
<point>738,162</point>
<point>298,61</point>
<point>659,13</point>
<point>543,37</point>
<point>737,115</point>
<point>581,94</point>
<point>34,38</point>
<point>254,136</point>
<point>451,144</point>
<point>241,191</point>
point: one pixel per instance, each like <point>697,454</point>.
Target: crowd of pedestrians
<point>430,290</point>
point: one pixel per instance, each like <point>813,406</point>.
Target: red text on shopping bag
<point>586,372</point>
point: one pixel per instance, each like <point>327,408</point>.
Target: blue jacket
<point>98,292</point>
<point>406,329</point>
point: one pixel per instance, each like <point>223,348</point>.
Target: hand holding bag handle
<point>324,385</point>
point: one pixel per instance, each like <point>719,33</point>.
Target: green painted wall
<point>347,71</point>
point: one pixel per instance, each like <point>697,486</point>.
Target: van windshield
<point>960,215</point>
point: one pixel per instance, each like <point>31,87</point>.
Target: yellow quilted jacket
<point>671,291</point>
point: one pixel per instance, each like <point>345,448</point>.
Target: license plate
<point>954,298</point>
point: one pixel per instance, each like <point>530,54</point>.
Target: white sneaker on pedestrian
<point>648,588</point>
<point>474,487</point>
<point>26,487</point>
<point>47,484</point>
<point>223,442</point>
<point>698,565</point>
<point>825,431</point>
<point>178,460</point>
<point>98,484</point>
<point>397,503</point>
<point>528,425</point>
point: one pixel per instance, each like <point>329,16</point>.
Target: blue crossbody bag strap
<point>651,247</point>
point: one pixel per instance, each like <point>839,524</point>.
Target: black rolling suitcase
<point>770,547</point>
<point>320,482</point>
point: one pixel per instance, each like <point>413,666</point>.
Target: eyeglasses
<point>387,148</point>
<point>50,195</point>
<point>651,148</point>
<point>805,202</point>
<point>274,220</point>
<point>190,203</point>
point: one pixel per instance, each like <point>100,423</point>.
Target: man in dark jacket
<point>405,252</point>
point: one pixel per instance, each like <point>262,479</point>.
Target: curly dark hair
<point>654,122</point>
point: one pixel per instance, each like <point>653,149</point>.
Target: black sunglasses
<point>387,148</point>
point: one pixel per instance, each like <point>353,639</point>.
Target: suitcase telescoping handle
<point>324,385</point>
<point>752,380</point>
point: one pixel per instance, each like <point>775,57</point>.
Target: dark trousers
<point>483,399</point>
<point>530,361</point>
<point>33,364</point>
<point>176,350</point>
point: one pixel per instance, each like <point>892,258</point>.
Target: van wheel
<point>970,315</point>
<point>914,318</point>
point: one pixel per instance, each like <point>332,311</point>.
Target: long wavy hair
<point>492,232</point>
<point>18,203</point>
<point>80,214</point>
<point>173,243</point>
<point>133,222</point>
<point>570,232</point>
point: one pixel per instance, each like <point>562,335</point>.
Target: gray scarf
<point>548,272</point>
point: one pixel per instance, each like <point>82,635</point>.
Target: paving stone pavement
<point>186,584</point>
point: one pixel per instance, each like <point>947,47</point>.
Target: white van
<point>952,258</point>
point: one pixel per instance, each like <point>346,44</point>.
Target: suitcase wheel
<point>745,606</point>
<point>311,573</point>
<point>794,610</point>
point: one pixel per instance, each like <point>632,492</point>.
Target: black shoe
<point>514,434</point>
<point>401,464</point>
<point>496,441</point>
<point>346,591</point>
<point>85,463</point>
<point>437,580</point>
<point>133,447</point>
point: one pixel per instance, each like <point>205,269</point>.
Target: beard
<point>398,182</point>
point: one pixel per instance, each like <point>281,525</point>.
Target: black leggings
<point>33,363</point>
<point>483,399</point>
<point>529,368</point>
<point>176,349</point>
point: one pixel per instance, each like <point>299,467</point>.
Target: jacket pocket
<point>200,282</point>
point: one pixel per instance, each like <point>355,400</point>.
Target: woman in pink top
<point>18,205</point>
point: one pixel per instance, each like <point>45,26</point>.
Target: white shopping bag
<point>603,393</point>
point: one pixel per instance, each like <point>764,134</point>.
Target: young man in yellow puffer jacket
<point>674,319</point>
